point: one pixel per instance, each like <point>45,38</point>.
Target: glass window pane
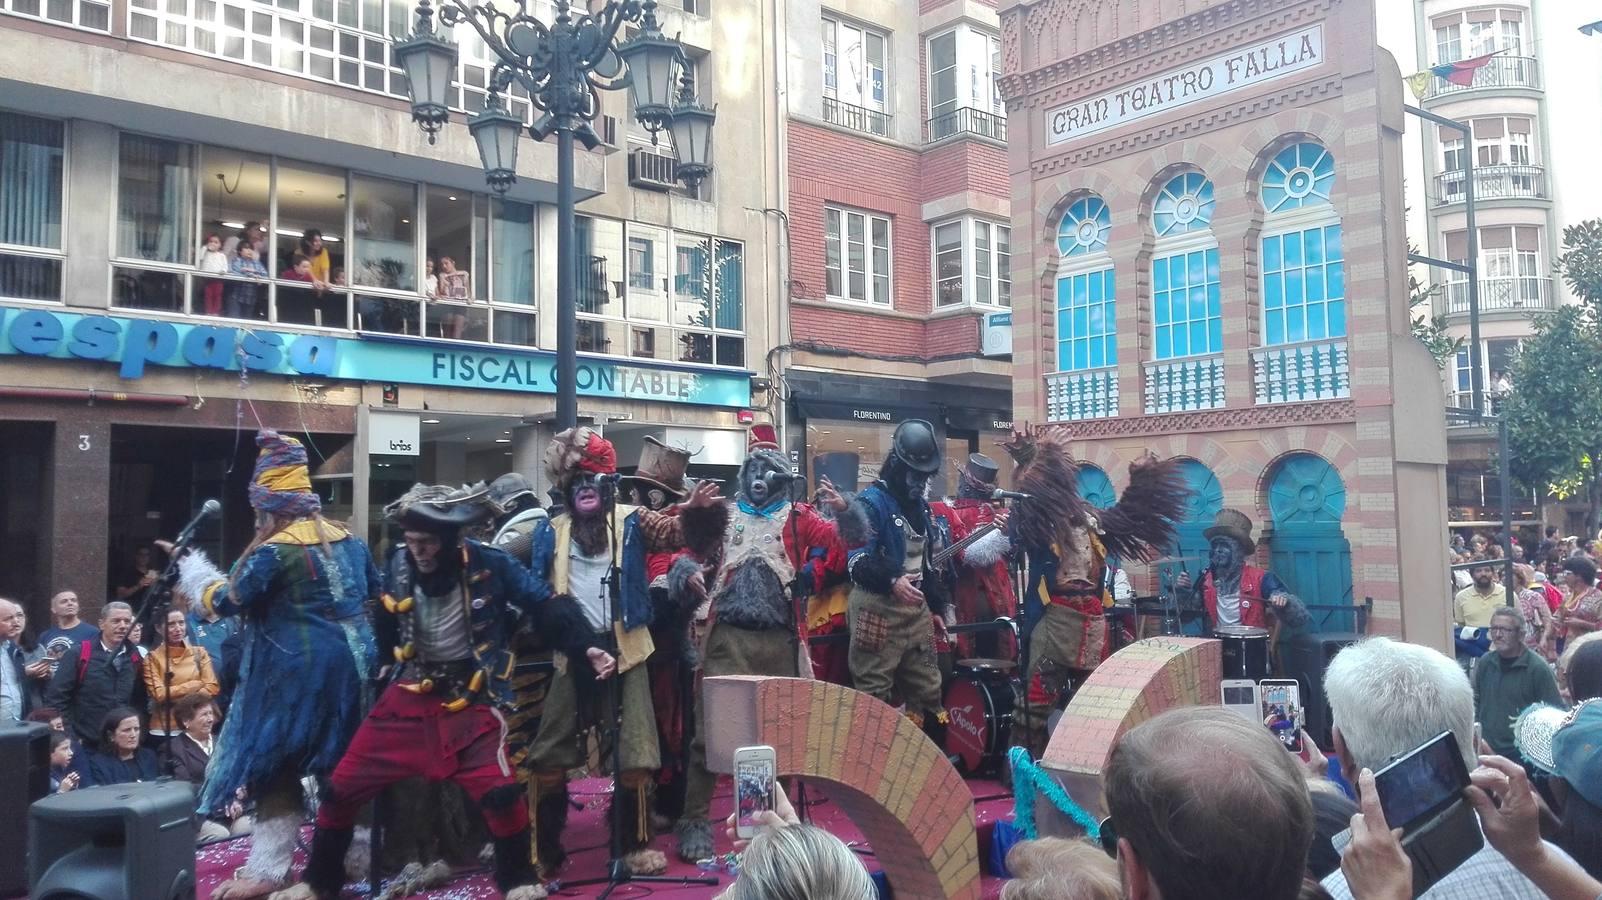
<point>155,200</point>
<point>310,306</point>
<point>389,315</point>
<point>450,233</point>
<point>30,181</point>
<point>147,289</point>
<point>600,267</point>
<point>29,277</point>
<point>235,201</point>
<point>647,273</point>
<point>311,220</point>
<point>729,284</point>
<point>692,281</point>
<point>458,322</point>
<point>512,235</point>
<point>386,241</point>
<point>730,350</point>
<point>514,328</point>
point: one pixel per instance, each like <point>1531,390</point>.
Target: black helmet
<point>914,444</point>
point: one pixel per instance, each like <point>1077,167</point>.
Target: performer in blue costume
<point>302,586</point>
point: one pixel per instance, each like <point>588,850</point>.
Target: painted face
<point>762,481</point>
<point>1224,555</point>
<point>915,483</point>
<point>586,495</point>
<point>424,547</point>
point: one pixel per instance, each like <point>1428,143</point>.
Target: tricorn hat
<point>662,467</point>
<point>1232,523</point>
<point>439,507</point>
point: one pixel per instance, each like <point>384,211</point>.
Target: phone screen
<point>1281,703</point>
<point>753,784</point>
<point>1423,782</point>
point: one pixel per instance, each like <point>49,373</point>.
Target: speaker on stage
<point>24,778</point>
<point>118,842</point>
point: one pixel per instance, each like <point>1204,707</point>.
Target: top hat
<point>662,467</point>
<point>1232,523</point>
<point>982,469</point>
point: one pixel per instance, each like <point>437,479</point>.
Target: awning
<point>862,411</point>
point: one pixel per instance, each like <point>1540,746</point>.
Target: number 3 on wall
<point>83,442</point>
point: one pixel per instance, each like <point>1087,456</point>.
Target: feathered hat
<point>281,484</point>
<point>580,449</point>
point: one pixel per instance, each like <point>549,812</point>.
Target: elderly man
<point>14,704</point>
<point>99,675</point>
<point>1506,680</point>
<point>1388,698</point>
<point>1207,805</point>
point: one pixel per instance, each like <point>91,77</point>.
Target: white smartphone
<point>755,773</point>
<point>1240,697</point>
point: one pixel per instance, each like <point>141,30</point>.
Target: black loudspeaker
<point>24,778</point>
<point>118,842</point>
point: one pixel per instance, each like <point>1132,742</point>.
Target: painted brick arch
<point>893,782</point>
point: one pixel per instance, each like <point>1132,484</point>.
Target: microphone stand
<point>1023,629</point>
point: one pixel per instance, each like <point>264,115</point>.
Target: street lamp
<point>561,66</point>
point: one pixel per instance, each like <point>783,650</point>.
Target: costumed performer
<point>981,582</point>
<point>1233,592</point>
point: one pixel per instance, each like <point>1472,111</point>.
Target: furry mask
<point>764,476</point>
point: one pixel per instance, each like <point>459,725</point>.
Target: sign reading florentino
<point>1236,70</point>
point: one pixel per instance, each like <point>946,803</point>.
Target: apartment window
<point>854,64</point>
<point>1477,32</point>
<point>32,162</point>
<point>87,14</point>
<point>973,263</point>
<point>856,256</point>
<point>155,200</point>
<point>1448,42</point>
<point>1453,156</point>
<point>964,74</point>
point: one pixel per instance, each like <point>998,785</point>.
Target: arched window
<point>1187,315</point>
<point>1302,263</point>
<point>1087,320</point>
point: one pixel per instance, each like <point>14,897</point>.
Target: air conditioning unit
<point>652,171</point>
<point>995,334</point>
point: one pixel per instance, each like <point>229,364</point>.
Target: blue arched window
<point>1184,204</point>
<point>1096,487</point>
<point>1087,316</point>
<point>1187,302</point>
<point>1084,227</point>
<point>1302,259</point>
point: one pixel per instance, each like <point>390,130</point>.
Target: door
<point>1096,487</point>
<point>1309,552</point>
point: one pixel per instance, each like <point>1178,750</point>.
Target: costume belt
<point>1081,598</point>
<point>457,683</point>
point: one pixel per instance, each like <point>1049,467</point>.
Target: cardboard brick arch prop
<point>1138,682</point>
<point>892,781</point>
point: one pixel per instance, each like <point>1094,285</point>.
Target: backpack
<point>86,650</point>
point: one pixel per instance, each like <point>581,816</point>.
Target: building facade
<point>899,286</point>
<point>1206,211</point>
<point>137,356</point>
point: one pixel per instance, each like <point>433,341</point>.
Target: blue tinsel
<point>1029,779</point>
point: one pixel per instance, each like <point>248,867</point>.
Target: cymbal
<point>1176,560</point>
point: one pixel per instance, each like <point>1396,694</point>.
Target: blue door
<point>1096,487</point>
<point>1309,552</point>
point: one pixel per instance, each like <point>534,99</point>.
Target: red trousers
<point>410,735</point>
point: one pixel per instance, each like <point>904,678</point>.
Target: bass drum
<point>979,703</point>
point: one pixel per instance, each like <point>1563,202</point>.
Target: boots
<point>633,798</point>
<point>325,870</point>
<point>694,838</point>
<point>513,868</point>
<point>550,820</point>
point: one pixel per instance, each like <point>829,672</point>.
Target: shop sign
<point>133,344</point>
<point>1242,68</point>
<point>394,434</point>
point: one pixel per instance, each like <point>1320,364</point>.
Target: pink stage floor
<point>587,838</point>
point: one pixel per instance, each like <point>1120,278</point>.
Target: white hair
<point>800,862</point>
<point>1387,698</point>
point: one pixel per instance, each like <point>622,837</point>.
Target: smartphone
<point>755,774</point>
<point>1280,702</point>
<point>1240,697</point>
<point>1423,783</point>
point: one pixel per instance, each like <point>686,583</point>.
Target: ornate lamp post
<point>561,66</point>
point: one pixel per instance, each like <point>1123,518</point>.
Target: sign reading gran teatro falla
<point>1236,70</point>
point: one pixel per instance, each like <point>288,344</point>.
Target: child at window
<point>240,297</point>
<point>214,261</point>
<point>453,282</point>
<point>300,269</point>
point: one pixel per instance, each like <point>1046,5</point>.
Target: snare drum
<point>979,702</point>
<point>1245,651</point>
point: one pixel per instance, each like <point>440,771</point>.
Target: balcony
<point>1298,373</point>
<point>1501,72</point>
<point>856,118</point>
<point>965,121</point>
<point>1492,183</point>
<point>1185,385</point>
<point>1085,394</point>
<point>1524,293</point>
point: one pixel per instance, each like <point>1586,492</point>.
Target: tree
<point>1554,410</point>
<point>1430,329</point>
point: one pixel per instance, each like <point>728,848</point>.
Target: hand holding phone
<point>1281,702</point>
<point>755,776</point>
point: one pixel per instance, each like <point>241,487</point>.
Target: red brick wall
<point>954,335</point>
<point>958,166</point>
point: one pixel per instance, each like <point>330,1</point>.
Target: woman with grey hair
<point>799,862</point>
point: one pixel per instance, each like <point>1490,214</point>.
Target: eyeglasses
<point>1500,629</point>
<point>1107,835</point>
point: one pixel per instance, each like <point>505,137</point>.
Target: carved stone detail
<point>1326,412</point>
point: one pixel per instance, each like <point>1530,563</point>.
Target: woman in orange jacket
<point>173,672</point>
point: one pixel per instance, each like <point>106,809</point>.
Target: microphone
<point>208,509</point>
<point>999,494</point>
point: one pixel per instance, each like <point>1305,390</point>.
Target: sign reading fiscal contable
<point>1236,70</point>
<point>133,344</point>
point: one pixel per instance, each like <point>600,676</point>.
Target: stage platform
<point>586,842</point>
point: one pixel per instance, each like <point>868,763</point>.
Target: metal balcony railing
<point>1184,385</point>
<point>1492,183</point>
<point>1085,394</point>
<point>965,121</point>
<point>1295,373</point>
<point>1499,72</point>
<point>856,118</point>
<point>1521,292</point>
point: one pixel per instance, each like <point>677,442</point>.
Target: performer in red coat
<point>980,577</point>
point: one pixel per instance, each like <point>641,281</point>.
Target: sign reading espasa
<point>1236,70</point>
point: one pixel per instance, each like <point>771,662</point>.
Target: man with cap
<point>304,583</point>
<point>449,608</point>
<point>1234,592</point>
<point>595,552</point>
<point>760,572</point>
<point>981,585</point>
<point>897,603</point>
<point>517,509</point>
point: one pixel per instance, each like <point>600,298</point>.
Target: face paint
<point>761,482</point>
<point>586,495</point>
<point>1225,555</point>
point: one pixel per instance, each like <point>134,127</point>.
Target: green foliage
<point>1581,262</point>
<point>1429,329</point>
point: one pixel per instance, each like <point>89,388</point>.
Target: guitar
<point>945,554</point>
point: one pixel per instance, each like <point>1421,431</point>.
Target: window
<point>155,200</point>
<point>1186,304</point>
<point>854,64</point>
<point>385,245</point>
<point>1184,205</point>
<point>1448,42</point>
<point>1453,159</point>
<point>856,256</point>
<point>1300,175</point>
<point>87,14</point>
<point>973,263</point>
<point>1512,273</point>
<point>1303,266</point>
<point>32,161</point>
<point>1087,333</point>
<point>600,267</point>
<point>1477,32</point>
<point>964,74</point>
<point>1084,228</point>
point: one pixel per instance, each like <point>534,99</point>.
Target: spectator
<point>189,752</point>
<point>207,630</point>
<point>1581,668</point>
<point>454,283</point>
<point>50,718</point>
<point>791,861</point>
<point>62,776</point>
<point>136,633</point>
<point>1507,680</point>
<point>1388,698</point>
<point>1554,597</point>
<point>1531,603</point>
<point>66,628</point>
<point>430,280</point>
<point>137,576</point>
<point>1549,544</point>
<point>1060,869</point>
<point>35,664</point>
<point>1580,614</point>
<point>120,759</point>
<point>300,269</point>
<point>1511,824</point>
<point>174,672</point>
<point>240,298</point>
<point>315,251</point>
<point>1472,606</point>
<point>99,675</point>
<point>1566,744</point>
<point>14,701</point>
<point>1207,805</point>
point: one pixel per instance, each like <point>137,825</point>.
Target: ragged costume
<point>445,622</point>
<point>981,582</point>
<point>303,585</point>
<point>595,552</point>
<point>896,599</point>
<point>1068,542</point>
<point>760,577</point>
